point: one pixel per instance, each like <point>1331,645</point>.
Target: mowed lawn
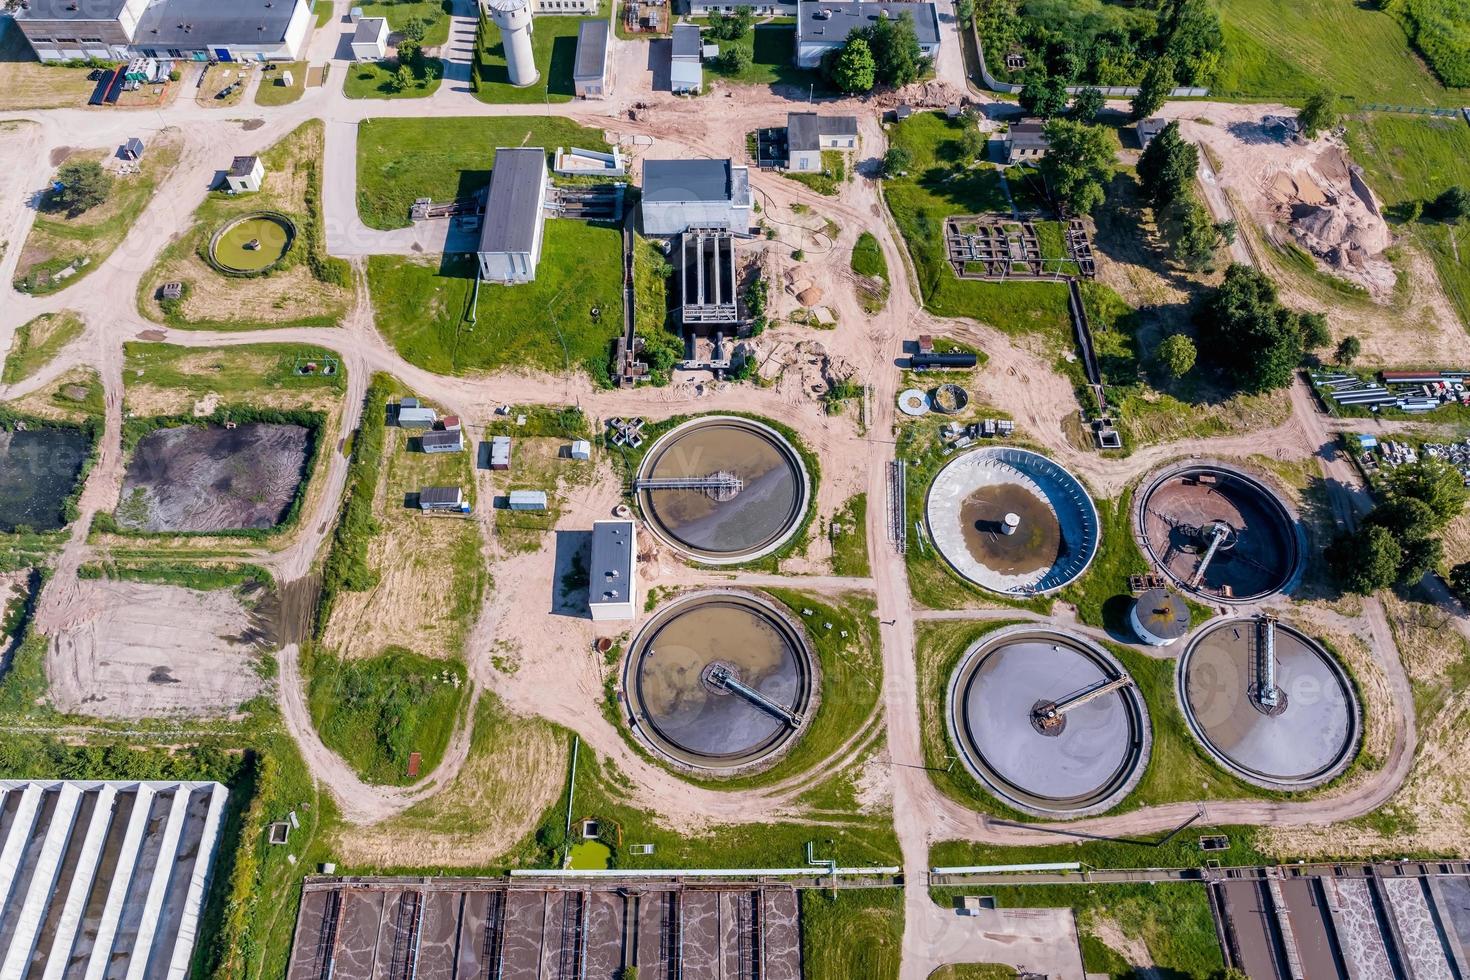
<point>770,47</point>
<point>935,188</point>
<point>25,83</point>
<point>553,45</point>
<point>1352,48</point>
<point>1414,158</point>
<point>400,12</point>
<point>546,325</point>
<point>400,160</point>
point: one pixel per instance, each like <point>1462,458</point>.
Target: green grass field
<point>37,342</point>
<point>376,712</point>
<point>868,260</point>
<point>850,548</point>
<point>271,93</point>
<point>1289,50</point>
<point>1410,159</point>
<point>859,933</point>
<point>832,177</point>
<point>58,241</point>
<point>938,186</point>
<point>554,47</point>
<point>400,160</point>
<point>546,325</point>
<point>235,372</point>
<point>770,47</point>
<point>379,80</point>
<point>400,12</point>
<point>1173,920</point>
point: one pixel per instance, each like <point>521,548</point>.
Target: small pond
<point>39,469</point>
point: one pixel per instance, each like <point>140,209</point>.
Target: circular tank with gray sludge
<point>722,489</point>
<point>1269,703</point>
<point>1048,721</point>
<point>720,681</point>
<point>1219,532</point>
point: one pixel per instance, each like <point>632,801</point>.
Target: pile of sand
<point>933,94</point>
<point>1329,211</point>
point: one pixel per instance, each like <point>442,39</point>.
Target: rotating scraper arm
<point>725,679</point>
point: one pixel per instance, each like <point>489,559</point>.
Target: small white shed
<point>370,39</point>
<point>245,176</point>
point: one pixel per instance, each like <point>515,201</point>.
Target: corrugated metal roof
<point>591,60</point>
<point>209,23</point>
<point>440,495</point>
<point>513,208</point>
<point>452,438</point>
<point>673,181</point>
<point>804,130</point>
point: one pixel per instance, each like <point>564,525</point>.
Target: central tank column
<point>1011,524</point>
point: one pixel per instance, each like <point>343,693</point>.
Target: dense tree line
<point>1166,173</point>
<point>1099,43</point>
<point>1398,543</point>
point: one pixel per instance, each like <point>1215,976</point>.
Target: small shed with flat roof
<point>443,441</point>
<point>527,500</point>
<point>245,175</point>
<point>808,134</point>
<point>370,39</point>
<point>612,584</point>
<point>515,216</point>
<point>589,67</point>
<point>686,75</point>
<point>441,498</point>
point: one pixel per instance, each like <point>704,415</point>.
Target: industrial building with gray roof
<point>589,67</point>
<point>683,194</point>
<point>510,237</point>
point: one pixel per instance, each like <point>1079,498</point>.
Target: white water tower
<point>513,17</point>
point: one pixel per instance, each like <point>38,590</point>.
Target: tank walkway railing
<point>722,677</point>
<point>324,961</point>
<point>492,949</point>
<point>724,483</point>
<point>1217,537</point>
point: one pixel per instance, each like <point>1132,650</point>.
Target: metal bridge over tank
<point>720,486</point>
<point>722,677</point>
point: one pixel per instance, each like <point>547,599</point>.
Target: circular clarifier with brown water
<point>722,489</point>
<point>720,681</point>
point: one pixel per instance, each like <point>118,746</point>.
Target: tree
<point>1193,234</point>
<point>410,53</point>
<point>1315,332</point>
<point>1042,94</point>
<point>735,59</point>
<point>84,185</point>
<point>964,12</point>
<point>1460,581</point>
<point>1167,167</point>
<point>897,160</point>
<point>1177,353</point>
<point>415,29</point>
<point>1078,163</point>
<point>1086,104</point>
<point>1348,350</point>
<point>1249,334</point>
<point>1319,112</point>
<point>972,142</point>
<point>1154,89</point>
<point>1366,561</point>
<point>895,47</point>
<point>1431,482</point>
<point>731,26</point>
<point>854,70</point>
<point>403,80</point>
<point>1453,205</point>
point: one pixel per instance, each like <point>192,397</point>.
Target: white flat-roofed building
<point>682,194</point>
<point>612,586</point>
<point>370,39</point>
<point>823,27</point>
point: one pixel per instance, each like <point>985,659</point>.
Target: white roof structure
<point>104,878</point>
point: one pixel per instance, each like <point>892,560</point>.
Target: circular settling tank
<point>722,490</point>
<point>1292,723</point>
<point>253,243</point>
<point>1048,722</point>
<point>720,681</point>
<point>1012,521</point>
<point>1219,532</point>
